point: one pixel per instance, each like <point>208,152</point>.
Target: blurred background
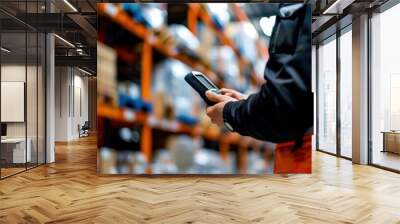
<point>149,119</point>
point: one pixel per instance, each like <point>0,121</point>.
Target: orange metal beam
<point>124,20</point>
<point>243,150</point>
<point>224,149</point>
<point>240,14</point>
<point>147,60</point>
<point>193,14</point>
<point>147,64</point>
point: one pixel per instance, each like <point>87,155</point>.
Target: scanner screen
<point>205,82</point>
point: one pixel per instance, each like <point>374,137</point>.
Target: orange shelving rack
<point>150,44</point>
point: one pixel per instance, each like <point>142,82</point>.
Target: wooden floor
<point>10,171</point>
<point>387,159</point>
<point>70,191</point>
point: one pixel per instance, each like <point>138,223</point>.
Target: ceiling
<point>330,15</point>
<point>77,23</point>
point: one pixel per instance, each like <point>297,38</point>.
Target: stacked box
<point>106,75</point>
<point>207,39</point>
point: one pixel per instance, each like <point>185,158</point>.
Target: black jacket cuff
<point>229,114</point>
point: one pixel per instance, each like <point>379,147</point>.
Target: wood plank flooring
<point>10,171</point>
<point>387,159</point>
<point>70,191</point>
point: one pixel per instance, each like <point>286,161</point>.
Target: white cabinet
<point>17,146</point>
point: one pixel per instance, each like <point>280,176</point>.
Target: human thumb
<point>214,97</point>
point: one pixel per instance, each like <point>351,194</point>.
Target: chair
<point>84,130</point>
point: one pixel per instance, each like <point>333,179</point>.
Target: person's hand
<point>233,93</point>
<point>215,112</point>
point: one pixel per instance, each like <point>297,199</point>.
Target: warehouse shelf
<point>152,43</point>
<point>125,55</point>
<point>130,116</point>
<point>223,38</point>
<point>123,19</point>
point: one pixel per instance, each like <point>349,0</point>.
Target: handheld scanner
<point>201,84</point>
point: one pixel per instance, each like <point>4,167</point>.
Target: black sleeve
<point>282,110</point>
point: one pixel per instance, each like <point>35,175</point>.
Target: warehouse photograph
<point>151,120</point>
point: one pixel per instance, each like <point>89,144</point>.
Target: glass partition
<point>346,93</point>
<point>31,97</point>
<point>22,87</point>
<point>14,150</point>
<point>41,91</point>
<point>327,96</point>
<point>385,89</point>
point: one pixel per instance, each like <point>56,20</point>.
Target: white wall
<point>71,94</point>
<point>80,100</point>
<point>12,73</point>
<point>61,103</point>
<point>33,127</point>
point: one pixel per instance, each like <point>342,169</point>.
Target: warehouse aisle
<point>70,191</point>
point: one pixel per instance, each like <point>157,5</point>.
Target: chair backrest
<point>86,124</point>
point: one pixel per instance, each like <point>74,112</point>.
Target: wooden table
<point>391,141</point>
